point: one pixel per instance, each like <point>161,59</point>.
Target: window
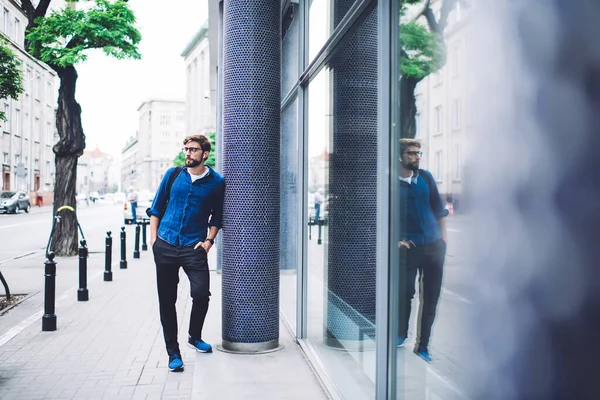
<point>49,134</point>
<point>38,87</point>
<point>36,132</point>
<point>6,124</point>
<point>439,166</point>
<point>17,35</point>
<point>439,77</point>
<point>456,60</point>
<point>456,114</point>
<point>458,11</point>
<point>17,122</point>
<point>27,83</point>
<point>17,159</point>
<point>5,21</point>
<point>180,115</point>
<point>49,96</point>
<point>36,164</point>
<point>458,158</point>
<point>26,127</point>
<point>438,120</point>
<point>165,120</point>
<point>5,158</point>
<point>166,134</point>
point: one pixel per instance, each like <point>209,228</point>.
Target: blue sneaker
<point>423,352</point>
<point>200,345</point>
<point>175,363</point>
<point>401,341</point>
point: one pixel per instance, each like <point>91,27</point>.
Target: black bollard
<point>108,258</point>
<point>82,292</point>
<point>123,249</point>
<point>49,318</point>
<point>319,241</point>
<point>309,229</point>
<point>144,244</point>
<point>136,248</point>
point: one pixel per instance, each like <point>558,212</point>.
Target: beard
<point>412,166</point>
<point>191,163</point>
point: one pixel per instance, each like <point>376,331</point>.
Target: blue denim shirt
<point>420,210</point>
<point>192,209</point>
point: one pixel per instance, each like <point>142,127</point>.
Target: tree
<point>11,78</point>
<point>210,161</point>
<point>422,52</point>
<point>62,40</point>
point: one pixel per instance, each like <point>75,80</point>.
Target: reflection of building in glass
<point>318,173</point>
<point>444,120</point>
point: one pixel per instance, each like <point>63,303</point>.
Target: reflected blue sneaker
<point>423,352</point>
<point>401,341</point>
<point>200,345</point>
<point>175,363</point>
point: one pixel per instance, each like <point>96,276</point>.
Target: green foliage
<point>11,78</point>
<point>62,38</point>
<point>422,52</point>
<point>210,161</point>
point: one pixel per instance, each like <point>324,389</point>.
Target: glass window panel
<point>432,292</point>
<point>290,201</point>
<point>342,210</point>
<point>324,17</point>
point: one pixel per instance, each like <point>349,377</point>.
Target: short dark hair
<point>202,140</point>
<point>405,143</point>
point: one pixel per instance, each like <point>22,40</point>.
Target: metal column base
<point>250,348</point>
<point>48,322</point>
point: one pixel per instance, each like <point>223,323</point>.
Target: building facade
<point>157,143</point>
<point>200,103</point>
<point>307,99</point>
<point>94,172</point>
<point>29,133</point>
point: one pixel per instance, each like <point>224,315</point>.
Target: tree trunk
<point>408,107</point>
<point>67,151</point>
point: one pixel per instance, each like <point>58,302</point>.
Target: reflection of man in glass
<point>422,242</point>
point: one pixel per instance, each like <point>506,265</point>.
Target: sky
<point>110,91</point>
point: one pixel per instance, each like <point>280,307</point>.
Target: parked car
<point>145,200</point>
<point>12,202</point>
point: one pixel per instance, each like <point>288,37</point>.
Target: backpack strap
<point>172,178</point>
<point>427,179</point>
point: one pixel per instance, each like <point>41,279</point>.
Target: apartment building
<point>200,104</point>
<point>147,156</point>
<point>29,133</point>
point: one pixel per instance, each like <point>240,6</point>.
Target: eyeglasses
<point>190,149</point>
<point>414,153</point>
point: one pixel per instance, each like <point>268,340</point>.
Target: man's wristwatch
<point>212,241</point>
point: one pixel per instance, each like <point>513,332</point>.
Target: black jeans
<point>168,259</point>
<point>429,259</point>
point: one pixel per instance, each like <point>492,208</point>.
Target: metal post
<point>108,258</point>
<point>319,241</point>
<point>82,292</point>
<point>49,318</point>
<point>310,229</point>
<point>123,249</point>
<point>136,249</point>
<point>144,244</point>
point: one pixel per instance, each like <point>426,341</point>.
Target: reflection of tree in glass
<point>61,40</point>
<point>422,52</point>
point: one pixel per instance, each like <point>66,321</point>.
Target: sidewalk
<point>111,347</point>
